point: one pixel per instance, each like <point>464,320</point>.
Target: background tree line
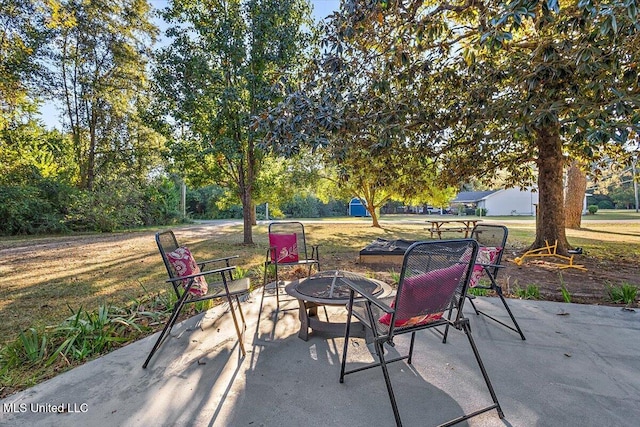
<point>385,100</point>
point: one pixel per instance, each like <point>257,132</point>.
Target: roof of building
<point>472,196</point>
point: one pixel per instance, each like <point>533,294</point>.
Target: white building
<point>509,201</point>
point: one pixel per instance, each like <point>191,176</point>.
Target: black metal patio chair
<point>287,248</point>
<point>433,280</point>
<point>491,239</point>
<point>188,279</point>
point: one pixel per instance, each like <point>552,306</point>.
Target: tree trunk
<point>246,216</point>
<point>254,220</point>
<point>550,218</point>
<point>374,217</point>
<point>245,187</point>
<point>574,196</point>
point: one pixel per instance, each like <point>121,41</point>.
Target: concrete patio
<point>580,366</point>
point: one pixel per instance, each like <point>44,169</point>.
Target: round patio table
<point>328,288</point>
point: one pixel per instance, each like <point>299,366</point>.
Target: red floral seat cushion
<point>486,255</point>
<point>286,248</point>
<point>183,263</point>
<point>426,292</point>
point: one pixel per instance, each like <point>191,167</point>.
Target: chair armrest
<point>488,266</point>
<point>203,263</point>
<point>364,294</point>
<point>202,273</point>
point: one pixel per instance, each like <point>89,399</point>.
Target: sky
<point>321,9</point>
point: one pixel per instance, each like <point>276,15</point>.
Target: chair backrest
<point>167,243</point>
<point>435,275</point>
<point>285,236</point>
<point>491,236</point>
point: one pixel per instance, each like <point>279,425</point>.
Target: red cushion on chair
<point>286,247</point>
<point>182,261</point>
<point>425,292</point>
<point>486,255</point>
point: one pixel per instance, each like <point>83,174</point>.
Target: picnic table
<point>440,226</point>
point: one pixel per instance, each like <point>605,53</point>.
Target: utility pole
<point>183,199</point>
<point>635,180</point>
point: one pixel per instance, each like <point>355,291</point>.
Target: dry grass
<point>42,278</point>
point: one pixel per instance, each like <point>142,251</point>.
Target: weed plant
<point>478,292</point>
<point>530,292</point>
<point>566,296</point>
<point>39,353</point>
<point>624,293</point>
<point>395,276</point>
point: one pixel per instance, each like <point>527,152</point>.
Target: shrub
<point>605,204</point>
<point>27,209</point>
<point>625,293</point>
<point>530,292</point>
<point>592,209</point>
<point>481,211</point>
<point>161,203</point>
<point>302,207</point>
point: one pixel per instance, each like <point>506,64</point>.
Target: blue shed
<point>356,208</point>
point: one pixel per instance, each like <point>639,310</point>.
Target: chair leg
<point>347,330</point>
<point>167,327</point>
<point>472,304</point>
<point>498,290</point>
<point>496,405</point>
<point>387,380</point>
<point>235,323</point>
<point>264,280</point>
<point>277,288</point>
<point>413,338</point>
<point>446,328</point>
<point>513,319</point>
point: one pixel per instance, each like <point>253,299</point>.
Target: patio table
<point>328,288</point>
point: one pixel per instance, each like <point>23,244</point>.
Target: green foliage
<point>479,292</point>
<point>33,205</point>
<point>592,209</point>
<point>530,292</point>
<point>241,273</point>
<point>47,205</point>
<point>230,66</point>
<point>82,336</point>
<point>109,47</point>
<point>566,296</point>
<point>121,204</point>
<point>604,204</point>
<point>625,293</point>
<point>22,42</point>
<point>160,203</point>
<point>270,273</point>
<point>481,212</point>
<point>395,276</point>
<point>301,207</point>
<point>475,88</point>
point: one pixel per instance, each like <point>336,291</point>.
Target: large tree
<point>22,40</point>
<point>487,86</point>
<point>99,56</point>
<point>354,114</point>
<point>220,70</point>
